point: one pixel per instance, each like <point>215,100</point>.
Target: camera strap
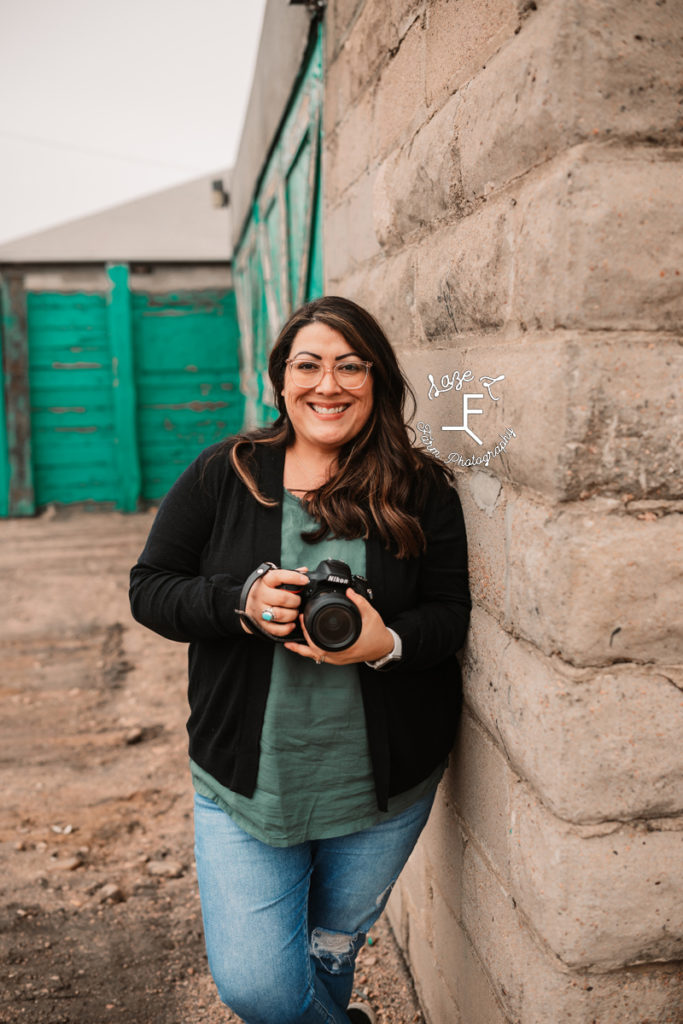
<point>260,571</point>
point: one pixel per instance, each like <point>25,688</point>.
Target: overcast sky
<point>105,100</point>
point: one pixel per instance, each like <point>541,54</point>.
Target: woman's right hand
<point>283,604</point>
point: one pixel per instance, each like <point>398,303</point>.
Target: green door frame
<point>123,381</point>
<point>17,496</point>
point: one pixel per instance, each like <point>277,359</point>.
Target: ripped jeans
<point>283,926</point>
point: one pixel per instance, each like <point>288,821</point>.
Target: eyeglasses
<point>350,375</point>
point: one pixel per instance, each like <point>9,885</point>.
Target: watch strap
<point>258,572</point>
<point>394,654</point>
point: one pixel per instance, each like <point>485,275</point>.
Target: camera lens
<point>333,622</point>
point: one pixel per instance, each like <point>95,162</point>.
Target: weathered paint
<point>123,383</point>
<point>278,261</point>
<point>5,468</point>
<point>316,282</point>
<point>17,474</point>
<point>72,398</point>
<point>124,390</point>
<point>187,379</point>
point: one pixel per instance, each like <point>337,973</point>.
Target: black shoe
<point>361,1013</point>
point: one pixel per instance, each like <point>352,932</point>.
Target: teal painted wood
<point>120,325</point>
<point>278,260</point>
<point>261,324</point>
<point>72,406</point>
<point>5,470</point>
<point>126,391</point>
<point>249,383</point>
<point>298,202</point>
<point>274,256</point>
<point>18,487</point>
<point>187,379</point>
<point>316,283</point>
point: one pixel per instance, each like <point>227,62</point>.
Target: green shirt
<point>315,777</point>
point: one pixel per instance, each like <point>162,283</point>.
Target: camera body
<point>332,620</point>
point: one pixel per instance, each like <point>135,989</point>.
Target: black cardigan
<point>208,536</point>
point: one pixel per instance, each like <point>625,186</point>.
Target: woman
<point>314,769</point>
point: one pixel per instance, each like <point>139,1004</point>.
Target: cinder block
<point>368,45</point>
<point>483,500</point>
<point>496,928</point>
<point>474,989</point>
<point>465,275</point>
<point>446,941</point>
<point>631,66</point>
<point>458,965</point>
<point>337,93</point>
<point>339,17</point>
<point>397,912</point>
<point>399,99</point>
<point>417,889</point>
<point>349,223</point>
<point>445,845</point>
<point>404,13</point>
<point>590,584</point>
<point>414,918</point>
<point>599,242</point>
<point>595,745</point>
<point>575,72</point>
<point>591,413</point>
<point>515,113</point>
<point>436,1001</point>
<point>461,36</point>
<point>623,430</point>
<point>361,52</point>
<point>361,36</point>
<point>479,787</point>
<point>386,287</point>
<point>651,993</point>
<point>601,896</point>
<point>347,150</point>
<point>592,241</point>
<point>419,183</point>
<point>535,987</point>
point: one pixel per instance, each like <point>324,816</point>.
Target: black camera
<point>332,620</point>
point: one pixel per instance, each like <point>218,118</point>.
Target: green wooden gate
<point>73,428</point>
<point>187,379</point>
<point>278,260</point>
<point>107,397</point>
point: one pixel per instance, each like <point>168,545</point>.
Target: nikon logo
<point>338,579</point>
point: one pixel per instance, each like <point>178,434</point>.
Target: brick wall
<point>502,188</point>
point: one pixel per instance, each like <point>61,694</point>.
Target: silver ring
<point>320,660</point>
<point>268,615</point>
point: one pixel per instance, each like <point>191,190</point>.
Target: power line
<point>88,151</point>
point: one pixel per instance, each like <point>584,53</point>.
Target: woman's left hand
<point>374,641</point>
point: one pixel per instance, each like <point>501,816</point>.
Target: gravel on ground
<point>99,918</point>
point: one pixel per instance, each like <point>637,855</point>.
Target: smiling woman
<point>314,768</point>
<point>328,397</point>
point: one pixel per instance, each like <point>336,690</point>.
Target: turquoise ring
<point>268,614</point>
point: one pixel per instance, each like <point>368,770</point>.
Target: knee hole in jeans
<point>335,951</point>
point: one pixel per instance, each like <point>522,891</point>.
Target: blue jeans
<point>283,926</point>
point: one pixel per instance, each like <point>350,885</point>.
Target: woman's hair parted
<point>381,479</point>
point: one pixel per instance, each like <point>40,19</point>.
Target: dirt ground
<point>100,920</point>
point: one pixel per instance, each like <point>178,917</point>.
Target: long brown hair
<point>381,480</point>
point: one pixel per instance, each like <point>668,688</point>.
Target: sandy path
<point>100,921</point>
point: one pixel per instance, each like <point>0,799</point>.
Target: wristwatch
<point>394,654</point>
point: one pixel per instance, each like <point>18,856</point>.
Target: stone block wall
<point>503,183</point>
